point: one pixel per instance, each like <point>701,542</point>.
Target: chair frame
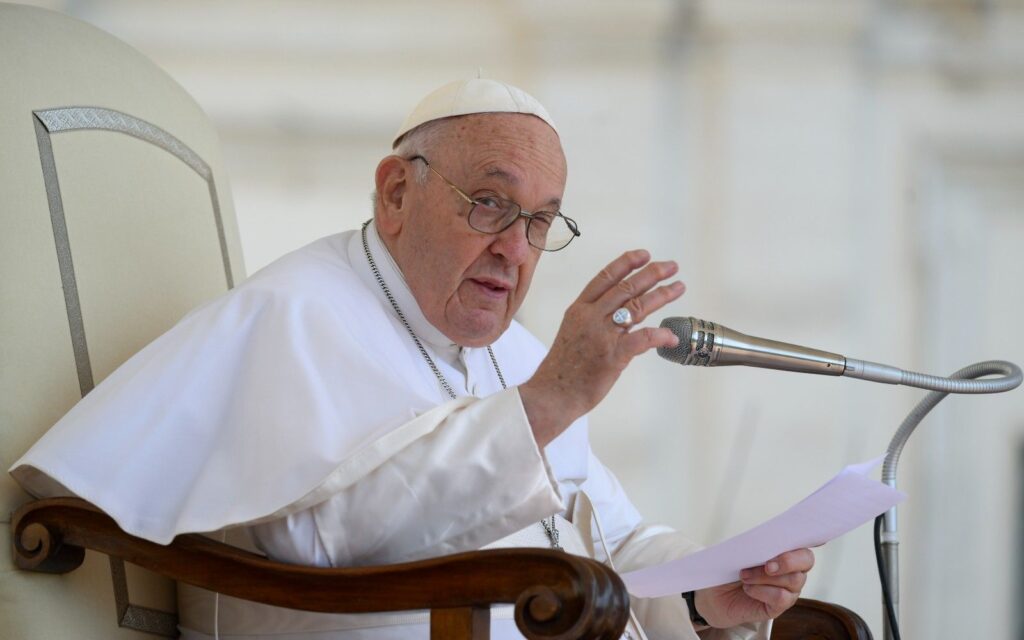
<point>557,596</point>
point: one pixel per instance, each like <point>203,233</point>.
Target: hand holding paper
<point>840,505</point>
<point>765,592</point>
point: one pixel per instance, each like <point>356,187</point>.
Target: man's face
<point>470,284</point>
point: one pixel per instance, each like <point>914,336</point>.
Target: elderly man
<point>370,399</point>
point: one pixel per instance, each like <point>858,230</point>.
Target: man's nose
<point>512,243</point>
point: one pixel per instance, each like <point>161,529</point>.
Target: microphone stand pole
<point>941,388</point>
<point>891,558</point>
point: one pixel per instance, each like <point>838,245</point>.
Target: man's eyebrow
<point>556,203</point>
<point>501,174</point>
<point>505,176</point>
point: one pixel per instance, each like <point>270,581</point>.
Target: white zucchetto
<point>476,95</point>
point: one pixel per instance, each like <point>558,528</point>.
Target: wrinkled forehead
<point>498,123</point>
<point>503,142</point>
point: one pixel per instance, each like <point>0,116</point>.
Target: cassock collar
<point>430,335</point>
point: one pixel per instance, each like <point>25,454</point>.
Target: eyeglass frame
<point>569,222</point>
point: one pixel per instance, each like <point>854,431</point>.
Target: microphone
<point>709,344</point>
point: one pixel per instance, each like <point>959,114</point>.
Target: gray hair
<point>421,141</point>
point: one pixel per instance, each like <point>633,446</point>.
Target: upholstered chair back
<point>115,220</point>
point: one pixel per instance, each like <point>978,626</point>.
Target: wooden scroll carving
<point>557,596</point>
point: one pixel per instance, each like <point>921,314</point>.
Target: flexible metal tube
<point>962,381</point>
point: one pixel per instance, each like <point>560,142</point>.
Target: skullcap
<point>476,95</point>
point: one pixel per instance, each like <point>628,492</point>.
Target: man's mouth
<point>492,286</point>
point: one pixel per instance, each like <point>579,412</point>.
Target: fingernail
<point>771,567</point>
<point>745,574</point>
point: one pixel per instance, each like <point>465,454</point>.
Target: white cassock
<point>296,414</point>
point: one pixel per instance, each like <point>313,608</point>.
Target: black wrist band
<point>695,617</point>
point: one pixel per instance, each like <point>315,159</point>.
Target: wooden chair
<point>556,595</point>
<point>114,222</point>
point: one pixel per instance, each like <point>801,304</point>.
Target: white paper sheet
<point>842,504</point>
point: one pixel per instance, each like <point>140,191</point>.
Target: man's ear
<point>392,178</point>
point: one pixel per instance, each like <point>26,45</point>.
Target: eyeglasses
<point>545,230</point>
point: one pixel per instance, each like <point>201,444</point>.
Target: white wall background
<point>843,174</point>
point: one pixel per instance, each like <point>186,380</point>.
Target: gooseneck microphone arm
<point>709,344</point>
<point>889,537</point>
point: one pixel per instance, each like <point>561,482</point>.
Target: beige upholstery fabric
<point>141,182</point>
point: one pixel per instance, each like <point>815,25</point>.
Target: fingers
<point>775,599</point>
<point>796,560</point>
<point>770,590</point>
<point>790,581</point>
<point>779,581</point>
<point>788,571</point>
<point>636,342</point>
<point>612,274</point>
<point>642,306</point>
<point>611,289</point>
<point>631,288</point>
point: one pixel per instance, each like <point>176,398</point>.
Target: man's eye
<point>544,217</point>
<point>490,203</point>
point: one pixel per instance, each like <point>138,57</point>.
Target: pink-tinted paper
<point>842,504</point>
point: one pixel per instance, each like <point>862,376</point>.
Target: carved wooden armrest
<point>815,620</point>
<point>556,595</point>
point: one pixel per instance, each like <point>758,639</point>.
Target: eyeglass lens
<point>545,229</point>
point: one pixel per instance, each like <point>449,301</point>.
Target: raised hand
<point>590,351</point>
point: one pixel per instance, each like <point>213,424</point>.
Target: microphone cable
<point>883,577</point>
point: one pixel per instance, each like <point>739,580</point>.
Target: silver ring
<point>622,317</point>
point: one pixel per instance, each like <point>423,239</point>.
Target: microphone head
<point>683,328</point>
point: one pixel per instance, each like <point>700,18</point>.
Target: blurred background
<point>847,175</point>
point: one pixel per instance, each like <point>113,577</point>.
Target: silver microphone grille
<point>683,328</point>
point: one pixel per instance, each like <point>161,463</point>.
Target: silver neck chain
<point>549,527</point>
<point>552,531</point>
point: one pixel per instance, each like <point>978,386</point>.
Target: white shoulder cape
<point>241,411</point>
